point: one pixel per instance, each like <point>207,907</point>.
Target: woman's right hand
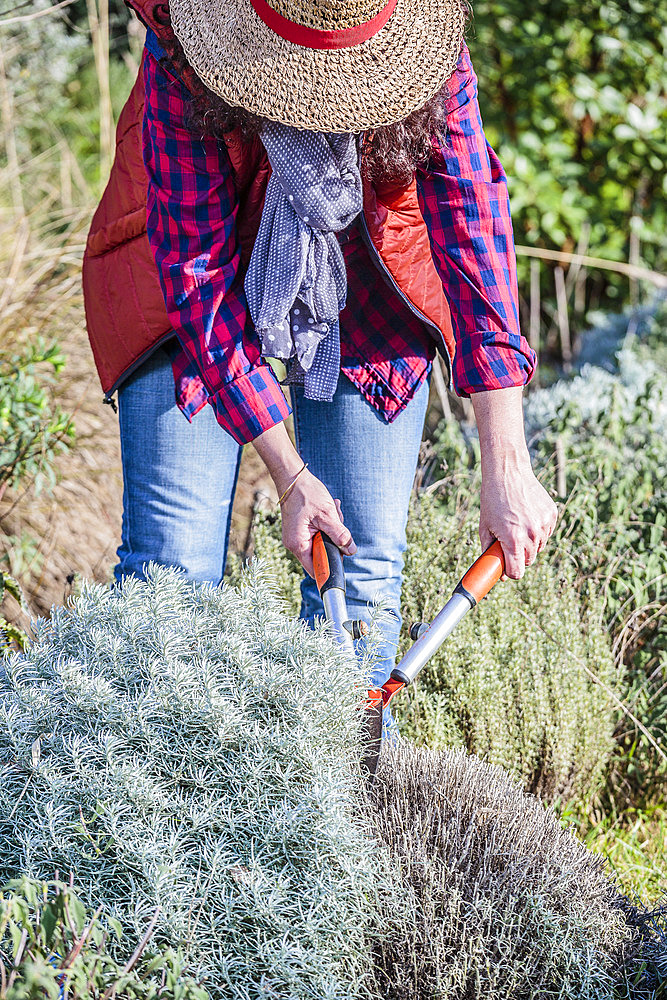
<point>308,506</point>
<point>307,509</point>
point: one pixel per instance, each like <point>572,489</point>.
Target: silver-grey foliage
<point>592,390</point>
<point>510,904</point>
<point>189,747</point>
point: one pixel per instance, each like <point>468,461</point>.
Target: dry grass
<point>76,529</point>
<point>45,207</point>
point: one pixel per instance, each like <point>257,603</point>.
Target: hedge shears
<point>427,637</point>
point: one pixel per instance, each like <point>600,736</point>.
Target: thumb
<point>485,536</point>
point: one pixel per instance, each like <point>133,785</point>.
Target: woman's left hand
<point>518,511</point>
<point>515,507</point>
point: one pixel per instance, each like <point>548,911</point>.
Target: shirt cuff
<point>250,404</point>
<point>493,363</point>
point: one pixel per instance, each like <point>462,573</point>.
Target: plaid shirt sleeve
<point>191,215</point>
<point>464,200</point>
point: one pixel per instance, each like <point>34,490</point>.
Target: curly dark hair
<point>390,152</point>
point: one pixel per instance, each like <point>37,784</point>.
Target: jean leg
<point>370,466</point>
<point>179,479</point>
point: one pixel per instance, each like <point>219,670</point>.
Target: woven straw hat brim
<point>378,82</point>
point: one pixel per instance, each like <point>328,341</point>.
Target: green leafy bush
<point>507,902</point>
<point>188,748</point>
<point>32,429</point>
<point>50,946</point>
<point>9,632</point>
<point>573,97</point>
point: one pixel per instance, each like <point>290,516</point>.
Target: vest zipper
<point>389,278</point>
<point>137,364</point>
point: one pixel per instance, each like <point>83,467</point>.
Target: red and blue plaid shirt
<point>386,351</point>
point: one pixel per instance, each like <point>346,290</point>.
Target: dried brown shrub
<point>506,902</point>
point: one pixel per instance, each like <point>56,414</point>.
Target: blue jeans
<point>180,478</point>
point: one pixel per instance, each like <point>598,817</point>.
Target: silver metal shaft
<point>335,610</point>
<point>423,649</point>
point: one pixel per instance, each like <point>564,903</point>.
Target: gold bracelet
<point>302,469</point>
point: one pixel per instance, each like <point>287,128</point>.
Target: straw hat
<point>324,65</point>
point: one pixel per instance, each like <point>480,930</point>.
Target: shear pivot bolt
<point>356,628</point>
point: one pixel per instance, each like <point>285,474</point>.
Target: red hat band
<point>314,38</point>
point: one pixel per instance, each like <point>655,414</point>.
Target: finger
<point>301,546</point>
<point>530,544</point>
<point>306,560</point>
<point>530,553</point>
<point>544,538</point>
<point>304,553</point>
<point>515,561</point>
<point>337,532</point>
<point>340,511</point>
<point>547,532</point>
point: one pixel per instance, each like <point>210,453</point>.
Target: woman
<point>383,232</point>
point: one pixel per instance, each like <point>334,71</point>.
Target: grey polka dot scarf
<point>296,283</point>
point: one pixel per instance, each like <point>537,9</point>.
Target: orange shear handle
<point>327,563</point>
<point>484,572</point>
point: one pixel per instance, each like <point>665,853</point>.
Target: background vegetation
<point>574,101</point>
<point>51,946</point>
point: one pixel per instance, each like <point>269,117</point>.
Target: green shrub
<point>573,97</point>
<point>188,747</point>
<point>515,682</point>
<point>507,902</point>
<point>32,429</point>
<point>51,947</point>
<point>608,430</point>
<point>9,632</point>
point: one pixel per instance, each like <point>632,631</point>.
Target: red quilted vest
<point>125,311</point>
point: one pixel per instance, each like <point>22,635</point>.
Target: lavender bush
<point>509,904</point>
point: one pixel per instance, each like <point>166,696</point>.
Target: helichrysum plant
<point>191,751</point>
